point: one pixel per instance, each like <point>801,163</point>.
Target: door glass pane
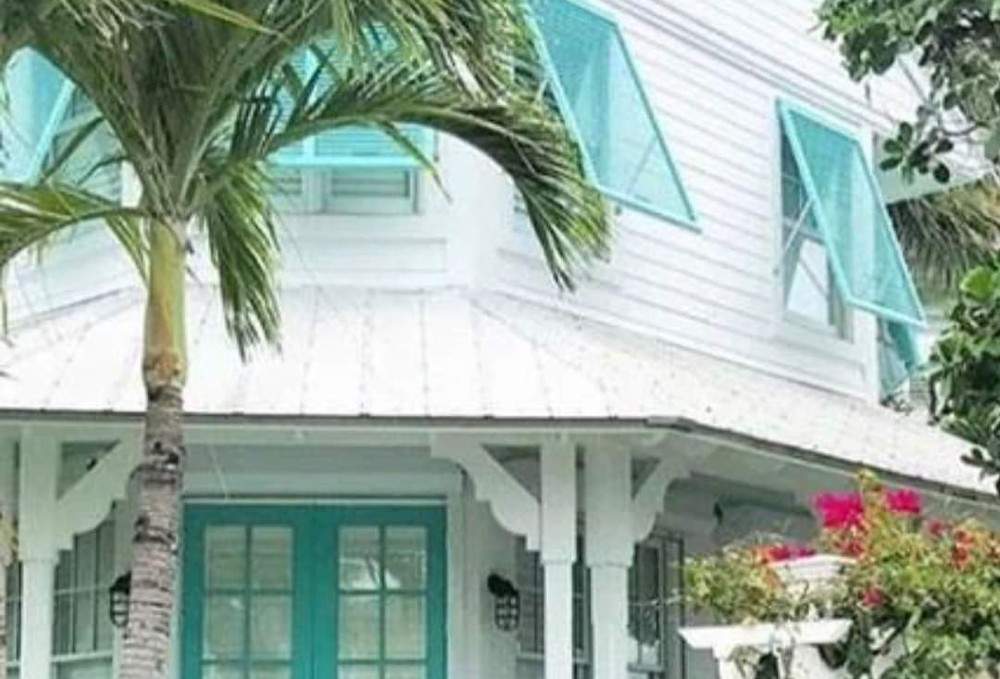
<point>404,628</point>
<point>358,672</point>
<point>271,558</point>
<point>405,672</point>
<point>228,671</point>
<point>225,557</point>
<point>271,627</point>
<point>270,672</point>
<point>405,558</point>
<point>359,627</point>
<point>224,617</point>
<point>360,567</point>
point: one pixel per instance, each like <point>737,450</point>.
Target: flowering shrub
<point>925,589</point>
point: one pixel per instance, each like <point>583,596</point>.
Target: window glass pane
<point>105,631</point>
<point>360,626</point>
<point>106,555</point>
<point>225,557</point>
<point>405,558</point>
<point>224,620</point>
<point>271,558</point>
<point>83,622</point>
<point>84,669</point>
<point>404,628</point>
<point>62,635</point>
<point>271,627</point>
<point>360,565</point>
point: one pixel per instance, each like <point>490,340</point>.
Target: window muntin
<point>656,650</point>
<point>602,96</point>
<point>850,215</point>
<point>809,291</point>
<point>83,635</point>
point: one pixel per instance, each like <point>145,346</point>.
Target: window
<point>599,91</point>
<point>346,191</point>
<point>656,650</point>
<point>810,293</point>
<point>83,635</point>
<point>846,213</point>
<point>13,612</point>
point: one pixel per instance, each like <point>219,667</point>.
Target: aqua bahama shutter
<point>354,146</point>
<point>600,94</point>
<point>868,265</point>
<point>38,96</point>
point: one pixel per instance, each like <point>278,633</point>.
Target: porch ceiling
<point>455,354</point>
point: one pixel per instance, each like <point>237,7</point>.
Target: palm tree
<point>944,235</point>
<point>197,106</point>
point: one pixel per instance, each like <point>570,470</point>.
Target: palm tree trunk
<point>4,564</point>
<point>146,649</point>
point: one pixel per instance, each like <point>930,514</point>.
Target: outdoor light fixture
<point>506,602</point>
<point>120,592</point>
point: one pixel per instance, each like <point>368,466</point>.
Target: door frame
<point>315,529</point>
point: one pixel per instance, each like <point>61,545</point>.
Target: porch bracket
<point>648,499</point>
<point>86,504</point>
<point>512,505</point>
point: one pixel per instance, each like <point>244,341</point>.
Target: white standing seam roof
<point>451,353</point>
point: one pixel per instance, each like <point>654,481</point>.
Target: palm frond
<point>242,238</point>
<point>522,133</point>
<point>31,215</point>
<point>945,235</point>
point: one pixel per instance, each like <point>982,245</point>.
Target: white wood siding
<point>713,70</point>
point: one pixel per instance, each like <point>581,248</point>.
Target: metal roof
<point>454,353</point>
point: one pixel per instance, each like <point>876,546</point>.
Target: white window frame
<point>97,588</point>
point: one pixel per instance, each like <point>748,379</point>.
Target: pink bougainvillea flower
<point>904,501</point>
<point>840,510</point>
<point>873,598</point>
<point>784,552</point>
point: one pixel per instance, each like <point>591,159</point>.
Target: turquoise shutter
<point>39,96</point>
<point>599,90</point>
<point>899,354</point>
<point>849,209</point>
<point>351,147</point>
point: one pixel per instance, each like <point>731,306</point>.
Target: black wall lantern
<point>119,594</point>
<point>506,603</point>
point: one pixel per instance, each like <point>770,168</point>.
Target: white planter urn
<point>806,574</point>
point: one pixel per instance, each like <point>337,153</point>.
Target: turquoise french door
<point>275,592</point>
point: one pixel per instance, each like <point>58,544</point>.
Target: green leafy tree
<point>196,106</point>
<point>956,42</point>
<point>956,45</point>
<point>965,368</point>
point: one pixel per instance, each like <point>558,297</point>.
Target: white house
<point>440,414</point>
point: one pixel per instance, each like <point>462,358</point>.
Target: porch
<point>362,548</point>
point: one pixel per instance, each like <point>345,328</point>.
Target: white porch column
<point>37,500</point>
<point>608,483</point>
<point>558,552</point>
